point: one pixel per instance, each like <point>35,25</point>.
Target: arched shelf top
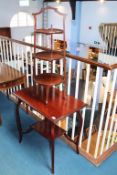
<point>50,8</point>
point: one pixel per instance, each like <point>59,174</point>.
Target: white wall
<point>56,20</point>
<point>92,14</point>
<point>10,7</point>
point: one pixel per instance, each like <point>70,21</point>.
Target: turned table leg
<point>52,145</point>
<point>18,122</point>
<point>76,140</point>
<point>47,95</point>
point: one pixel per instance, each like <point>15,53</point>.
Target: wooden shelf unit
<point>49,79</point>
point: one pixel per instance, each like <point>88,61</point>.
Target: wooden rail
<point>74,57</point>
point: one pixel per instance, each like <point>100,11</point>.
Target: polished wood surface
<point>100,158</point>
<point>5,31</point>
<point>49,31</point>
<point>10,77</point>
<point>48,55</point>
<point>49,79</point>
<point>44,128</point>
<point>57,107</point>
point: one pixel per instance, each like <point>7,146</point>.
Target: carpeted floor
<point>32,156</point>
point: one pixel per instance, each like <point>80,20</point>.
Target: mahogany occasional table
<point>57,108</point>
<point>10,77</point>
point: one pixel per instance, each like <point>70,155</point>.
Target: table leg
<point>76,140</point>
<point>23,85</point>
<point>79,129</point>
<point>52,146</point>
<point>47,94</point>
<point>65,80</point>
<point>7,93</point>
<point>18,122</point>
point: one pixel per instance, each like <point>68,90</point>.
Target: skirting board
<point>89,157</point>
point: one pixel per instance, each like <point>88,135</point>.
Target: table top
<point>10,77</point>
<point>57,108</point>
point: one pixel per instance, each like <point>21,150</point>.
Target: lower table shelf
<point>44,128</point>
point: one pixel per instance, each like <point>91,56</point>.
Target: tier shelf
<point>48,55</point>
<point>49,31</point>
<point>49,79</point>
<point>44,128</point>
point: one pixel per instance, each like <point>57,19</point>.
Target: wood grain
<point>49,79</point>
<point>48,55</point>
<point>10,77</point>
<point>57,108</point>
